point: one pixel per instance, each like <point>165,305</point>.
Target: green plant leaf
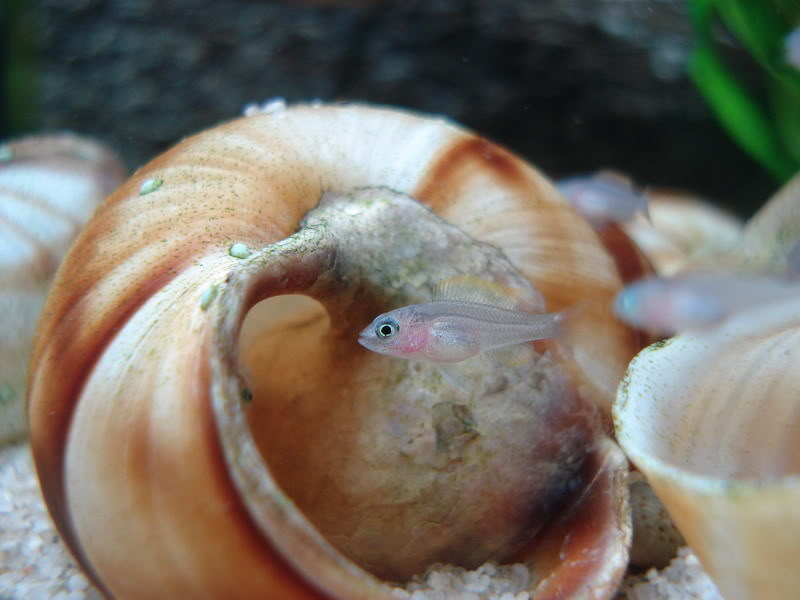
<point>762,26</point>
<point>738,113</point>
<point>785,102</point>
<point>701,13</point>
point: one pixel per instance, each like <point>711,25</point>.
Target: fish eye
<point>387,328</point>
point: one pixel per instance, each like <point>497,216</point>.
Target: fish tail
<point>567,318</point>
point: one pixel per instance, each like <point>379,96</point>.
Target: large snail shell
<point>191,447</point>
<point>682,231</point>
<point>712,418</point>
<point>774,230</point>
<point>49,187</point>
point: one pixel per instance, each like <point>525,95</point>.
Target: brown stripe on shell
<point>597,519</point>
<point>454,171</point>
<point>577,420</point>
<point>45,260</point>
<point>47,257</point>
<point>72,148</point>
<point>631,263</point>
<point>316,275</point>
<point>74,347</point>
<point>75,344</point>
<point>75,362</point>
<point>460,159</point>
<point>43,205</point>
<point>99,323</point>
<point>566,241</point>
<point>236,511</point>
<point>52,475</point>
<point>102,183</point>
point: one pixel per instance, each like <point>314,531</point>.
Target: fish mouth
<point>364,339</point>
<point>370,343</point>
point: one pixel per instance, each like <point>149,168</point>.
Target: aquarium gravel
<point>35,565</point>
<point>487,582</point>
<point>683,579</point>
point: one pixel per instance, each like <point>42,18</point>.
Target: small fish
<point>697,300</point>
<point>604,197</point>
<point>792,48</point>
<point>793,259</point>
<point>466,317</point>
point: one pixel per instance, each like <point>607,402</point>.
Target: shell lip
<point>291,532</point>
<point>708,485</point>
<point>460,162</point>
<point>705,485</point>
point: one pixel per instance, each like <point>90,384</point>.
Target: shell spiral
<point>712,418</point>
<point>49,187</point>
<point>195,436</point>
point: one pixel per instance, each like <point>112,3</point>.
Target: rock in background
<point>573,85</point>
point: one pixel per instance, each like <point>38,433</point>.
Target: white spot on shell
<point>273,106</point>
<point>150,185</point>
<point>77,582</point>
<point>353,210</point>
<point>7,393</point>
<point>239,250</point>
<point>208,296</point>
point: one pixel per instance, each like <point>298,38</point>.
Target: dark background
<point>572,85</point>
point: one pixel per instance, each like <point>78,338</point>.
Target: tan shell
<point>189,446</point>
<point>681,231</point>
<point>656,540</point>
<point>770,234</point>
<point>713,420</point>
<point>49,187</point>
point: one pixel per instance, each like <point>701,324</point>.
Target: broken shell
<point>682,230</point>
<point>49,187</point>
<point>206,425</point>
<point>713,421</point>
<point>774,231</point>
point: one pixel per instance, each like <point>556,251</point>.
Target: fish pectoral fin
<point>468,288</point>
<point>456,376</point>
<point>512,356</point>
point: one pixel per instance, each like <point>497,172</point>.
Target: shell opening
<point>723,409</point>
<point>713,421</point>
<point>148,437</point>
<point>393,468</point>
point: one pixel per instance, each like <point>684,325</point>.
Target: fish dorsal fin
<point>468,288</point>
<point>614,177</point>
